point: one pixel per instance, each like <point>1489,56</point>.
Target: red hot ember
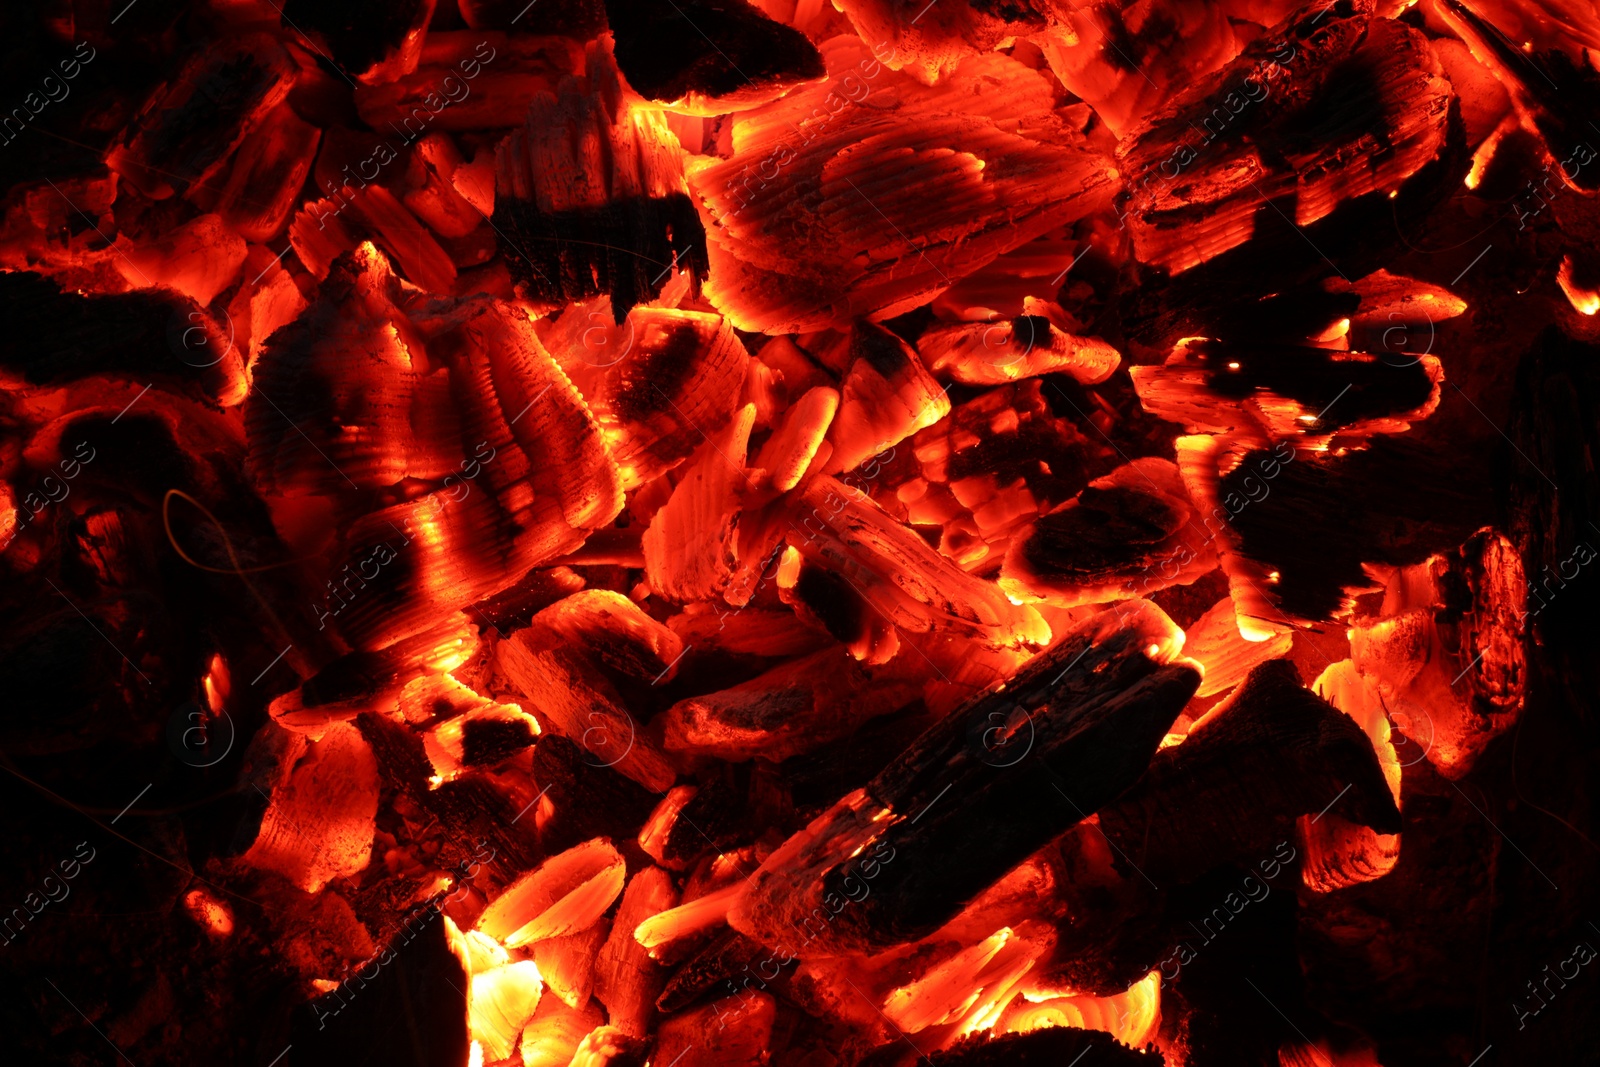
<point>762,533</point>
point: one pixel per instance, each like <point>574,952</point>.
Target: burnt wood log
<point>1550,86</point>
<point>186,130</point>
<point>811,182</point>
<point>1330,73</point>
<point>58,336</point>
<point>1066,736</point>
<point>581,221</point>
<point>513,608</point>
<point>1129,533</point>
<point>722,815</point>
<point>488,741</point>
<point>475,812</point>
<point>1448,653</point>
<point>730,965</point>
<point>585,799</point>
<point>708,56</point>
<point>1273,752</point>
<point>817,778</point>
<point>626,980</point>
<point>1386,954</point>
<point>789,710</point>
<point>928,43</point>
<point>573,690</point>
<point>1396,502</point>
<point>1492,888</point>
<point>1285,121</point>
<point>406,1007</point>
<point>1111,925</point>
<point>347,685</point>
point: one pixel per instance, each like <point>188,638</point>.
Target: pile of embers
<point>704,533</point>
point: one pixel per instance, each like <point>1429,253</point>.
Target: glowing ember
<point>1584,301</point>
<point>762,533</point>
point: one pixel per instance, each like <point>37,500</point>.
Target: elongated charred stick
<point>974,795</point>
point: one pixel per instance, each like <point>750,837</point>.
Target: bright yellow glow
<point>789,568</point>
<point>1485,153</point>
<point>209,912</point>
<point>1132,1016</point>
<point>1584,301</point>
<point>1334,332</point>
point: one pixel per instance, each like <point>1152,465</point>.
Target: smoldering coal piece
<point>1092,710</point>
<point>416,982</point>
<point>712,57</point>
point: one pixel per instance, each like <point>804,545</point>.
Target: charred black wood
<point>818,778</point>
<point>349,680</point>
<point>1308,86</point>
<point>1185,604</point>
<point>359,34</point>
<point>1340,388</point>
<point>1235,787</point>
<point>589,800</point>
<point>406,1006</point>
<point>513,609</point>
<point>1111,530</point>
<point>711,49</point>
<point>488,741</point>
<point>1559,92</point>
<point>1386,954</point>
<point>1053,457</point>
<point>1094,711</point>
<point>1072,731</point>
<point>620,249</point>
<point>186,130</point>
<point>728,966</point>
<point>830,599</point>
<point>472,813</point>
<point>59,337</point>
<point>1111,926</point>
<point>716,819</point>
<point>1398,501</point>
